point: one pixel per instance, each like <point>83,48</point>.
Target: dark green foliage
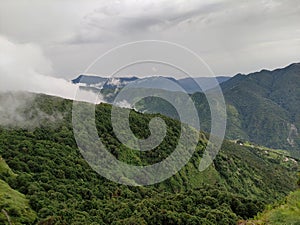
<point>63,189</point>
<point>267,106</point>
<point>262,107</point>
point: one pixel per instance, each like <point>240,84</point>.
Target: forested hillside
<point>267,107</point>
<point>53,184</point>
<point>262,107</point>
<point>284,212</point>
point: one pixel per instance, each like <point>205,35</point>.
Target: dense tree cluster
<point>63,189</point>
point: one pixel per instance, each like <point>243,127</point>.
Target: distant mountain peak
<point>294,66</point>
<point>189,84</point>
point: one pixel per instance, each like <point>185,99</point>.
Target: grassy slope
<point>5,171</point>
<point>13,202</point>
<point>287,213</point>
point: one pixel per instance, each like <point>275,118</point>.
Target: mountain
<point>44,165</point>
<point>262,107</point>
<point>89,80</point>
<point>103,82</point>
<point>190,85</point>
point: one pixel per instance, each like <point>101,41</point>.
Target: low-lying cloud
<point>17,109</point>
<point>23,67</point>
<point>22,72</point>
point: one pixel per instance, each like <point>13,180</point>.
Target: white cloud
<point>123,104</point>
<point>23,68</point>
<point>228,34</point>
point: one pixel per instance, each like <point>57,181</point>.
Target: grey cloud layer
<point>231,36</point>
<point>128,18</point>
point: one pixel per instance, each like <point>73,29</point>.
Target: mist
<point>25,70</point>
<point>17,109</point>
<point>24,67</point>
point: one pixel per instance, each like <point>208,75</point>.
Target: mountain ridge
<point>190,84</point>
<point>269,96</point>
<point>262,107</point>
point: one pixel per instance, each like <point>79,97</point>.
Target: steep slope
<point>267,103</point>
<point>14,206</point>
<point>63,189</point>
<point>262,107</point>
<point>288,212</point>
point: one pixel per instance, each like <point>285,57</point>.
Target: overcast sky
<point>60,38</point>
